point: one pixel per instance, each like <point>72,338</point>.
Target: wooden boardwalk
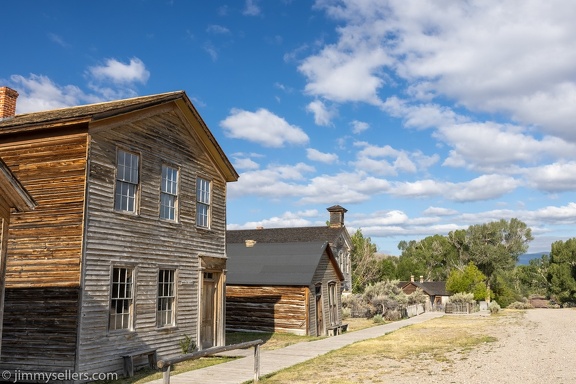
<point>242,370</point>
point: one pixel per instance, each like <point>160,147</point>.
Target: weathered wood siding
<point>44,252</point>
<point>266,309</point>
<point>144,241</point>
<point>39,332</point>
<point>325,273</point>
<point>44,246</point>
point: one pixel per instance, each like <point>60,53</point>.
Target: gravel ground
<point>536,348</point>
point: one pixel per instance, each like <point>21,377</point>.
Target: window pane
<point>166,298</point>
<point>126,181</point>
<point>203,203</point>
<point>121,299</point>
<point>169,193</point>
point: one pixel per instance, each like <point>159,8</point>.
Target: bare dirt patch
<point>534,346</point>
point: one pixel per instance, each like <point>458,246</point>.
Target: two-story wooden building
<point>126,247</point>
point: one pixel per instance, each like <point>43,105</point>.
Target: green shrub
<point>520,305</point>
<point>187,345</point>
<point>494,307</point>
<point>346,312</point>
<point>462,298</point>
<point>378,319</point>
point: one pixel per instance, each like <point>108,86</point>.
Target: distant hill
<point>525,258</point>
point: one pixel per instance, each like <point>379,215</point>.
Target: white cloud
<point>39,93</point>
<point>513,57</point>
<point>119,73</point>
<point>262,127</point>
<point>359,126</point>
<point>217,29</point>
<point>484,187</point>
<point>557,177</point>
<point>439,211</point>
<point>251,8</point>
<point>316,155</point>
<point>322,114</point>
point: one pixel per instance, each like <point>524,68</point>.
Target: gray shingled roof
<point>432,288</point>
<point>291,264</point>
<point>284,235</point>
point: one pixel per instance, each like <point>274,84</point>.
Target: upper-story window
<point>203,203</point>
<point>169,193</point>
<point>127,180</point>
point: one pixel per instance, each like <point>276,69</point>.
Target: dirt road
<point>536,348</point>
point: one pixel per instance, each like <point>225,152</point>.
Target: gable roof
<point>431,288</point>
<point>99,112</point>
<point>286,235</point>
<point>292,264</point>
<point>13,192</point>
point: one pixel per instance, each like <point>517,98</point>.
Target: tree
<point>562,271</point>
<point>468,280</point>
<point>364,262</point>
<point>496,246</point>
<point>432,257</point>
<point>533,278</point>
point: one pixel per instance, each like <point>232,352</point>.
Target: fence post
<point>256,363</point>
<point>166,374</point>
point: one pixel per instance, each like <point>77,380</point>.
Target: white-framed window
<point>121,299</point>
<point>202,202</point>
<point>127,180</point>
<point>165,314</point>
<point>169,193</point>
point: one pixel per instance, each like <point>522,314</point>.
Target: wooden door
<point>208,308</point>
<point>319,312</point>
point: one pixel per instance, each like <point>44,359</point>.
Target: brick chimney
<point>411,278</point>
<point>8,98</point>
<point>421,278</point>
<point>337,216</point>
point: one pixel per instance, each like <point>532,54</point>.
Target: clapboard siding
<point>44,247</point>
<point>325,274</point>
<point>39,332</point>
<point>144,241</point>
<point>266,309</point>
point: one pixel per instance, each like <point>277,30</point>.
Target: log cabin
<point>283,287</point>
<point>125,251</point>
<point>438,297</point>
<point>335,233</point>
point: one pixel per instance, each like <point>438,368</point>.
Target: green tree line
<point>481,260</point>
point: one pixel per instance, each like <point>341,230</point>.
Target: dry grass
<point>409,349</point>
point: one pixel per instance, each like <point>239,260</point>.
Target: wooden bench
<point>129,360</point>
<point>337,329</point>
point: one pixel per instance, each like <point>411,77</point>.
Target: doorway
<point>319,311</point>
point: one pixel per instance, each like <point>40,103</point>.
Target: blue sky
<point>419,117</point>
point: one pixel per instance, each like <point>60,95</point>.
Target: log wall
<point>266,309</point>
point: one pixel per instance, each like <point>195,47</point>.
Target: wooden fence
<point>461,308</point>
<point>166,364</point>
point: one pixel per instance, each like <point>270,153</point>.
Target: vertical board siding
<point>144,241</point>
<point>266,309</point>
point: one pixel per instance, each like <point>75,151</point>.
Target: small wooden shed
<point>436,291</point>
<point>283,287</point>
